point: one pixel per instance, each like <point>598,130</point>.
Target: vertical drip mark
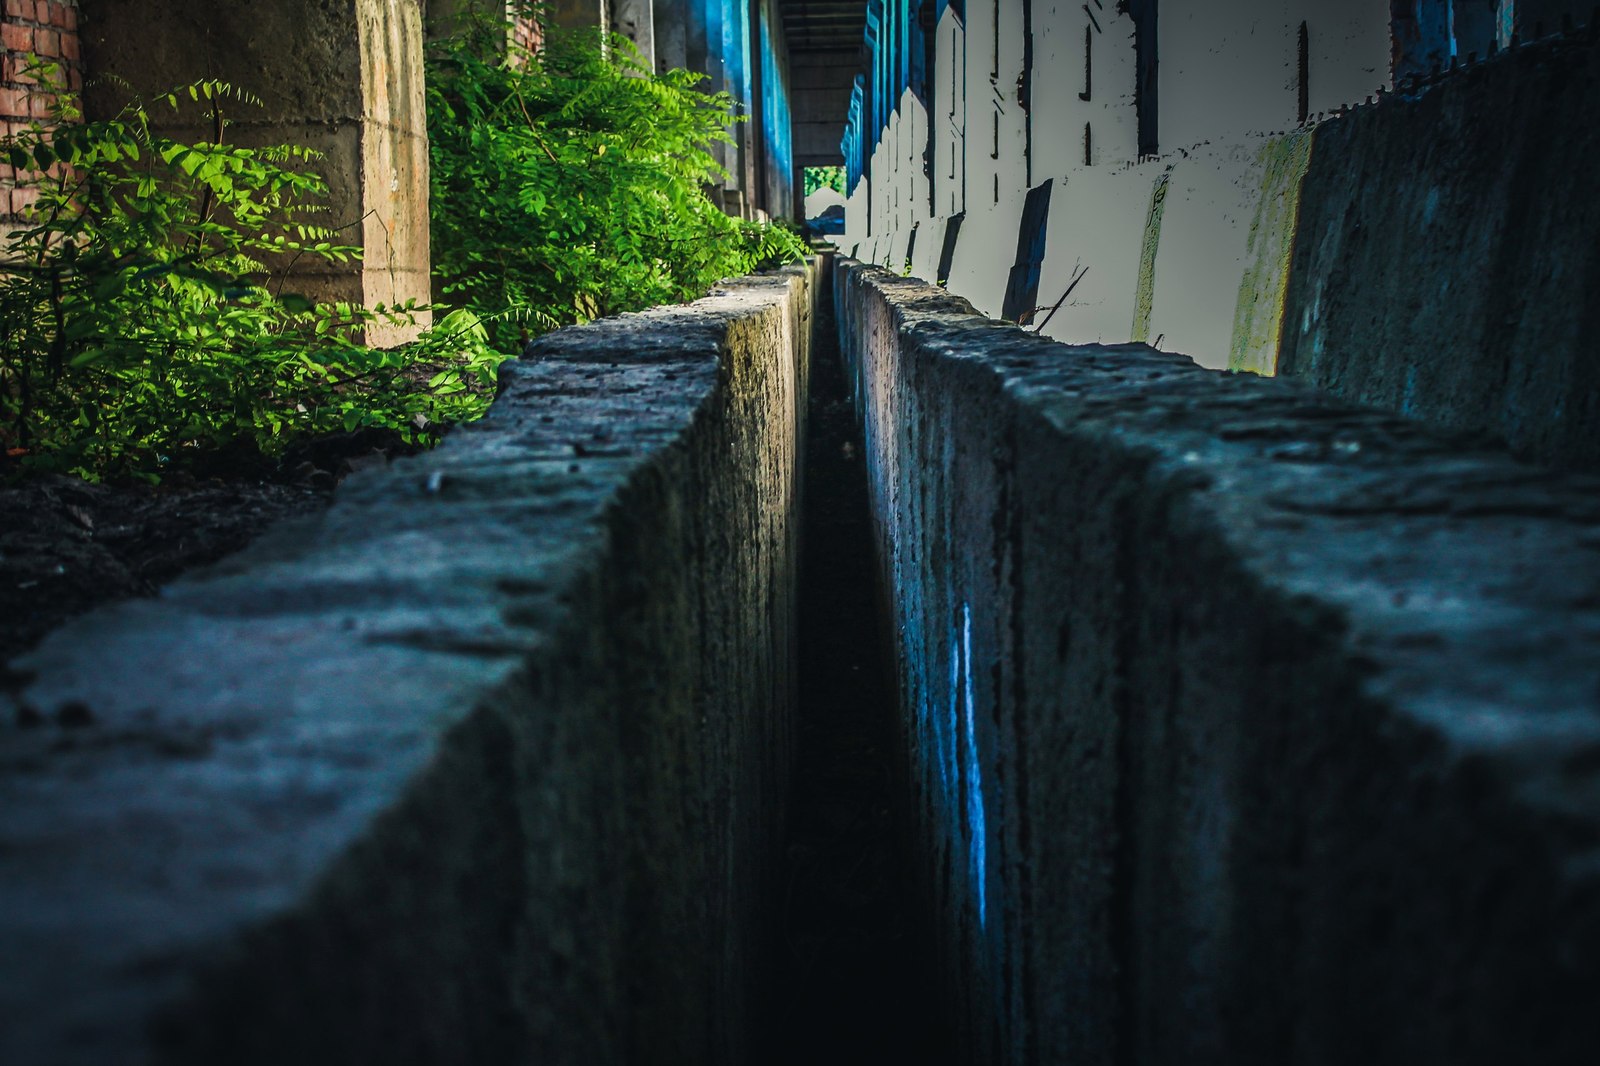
<point>1088,64</point>
<point>977,849</point>
<point>1303,67</point>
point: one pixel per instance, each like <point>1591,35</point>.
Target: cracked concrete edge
<point>1282,715</point>
<point>383,787</point>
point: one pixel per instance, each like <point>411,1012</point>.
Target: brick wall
<point>525,31</point>
<point>48,29</point>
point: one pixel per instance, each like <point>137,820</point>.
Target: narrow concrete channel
<point>854,983</point>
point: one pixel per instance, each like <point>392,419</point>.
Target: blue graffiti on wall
<point>962,716</point>
<point>775,114</point>
<point>895,40</point>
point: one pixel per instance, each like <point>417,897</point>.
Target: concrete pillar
<point>447,18</point>
<point>635,20</point>
<point>580,14</point>
<point>1472,24</point>
<point>343,77</point>
<point>671,18</point>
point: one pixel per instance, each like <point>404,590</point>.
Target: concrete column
<point>671,19</point>
<point>341,76</point>
<point>635,20</point>
<point>1472,24</point>
<point>581,14</point>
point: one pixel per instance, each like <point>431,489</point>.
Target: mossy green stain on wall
<point>1144,300</point>
<point>1258,317</point>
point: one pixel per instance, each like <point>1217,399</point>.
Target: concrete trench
<point>1020,703</point>
<point>1243,724</point>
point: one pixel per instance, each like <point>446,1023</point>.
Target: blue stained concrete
<point>777,123</point>
<point>972,778</point>
<point>897,43</point>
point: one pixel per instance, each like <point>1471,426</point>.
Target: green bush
<point>823,178</point>
<point>570,184</point>
<point>140,323</point>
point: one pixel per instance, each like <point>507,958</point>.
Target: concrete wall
<point>484,765</point>
<point>1418,249</point>
<point>1446,249</point>
<point>1164,250</point>
<point>1244,725</point>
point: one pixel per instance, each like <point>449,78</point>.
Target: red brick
<point>58,15</point>
<point>69,18</point>
<point>13,103</point>
<point>47,43</point>
<point>69,47</point>
<point>16,38</point>
<point>41,11</point>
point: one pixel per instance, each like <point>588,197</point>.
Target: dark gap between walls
<point>853,981</point>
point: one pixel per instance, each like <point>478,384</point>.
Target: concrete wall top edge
<point>207,761</point>
<point>1467,582</point>
<point>1246,724</point>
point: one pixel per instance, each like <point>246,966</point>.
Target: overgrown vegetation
<point>144,317</point>
<point>569,184</point>
<point>824,178</point>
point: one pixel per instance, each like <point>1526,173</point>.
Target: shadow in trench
<point>854,982</point>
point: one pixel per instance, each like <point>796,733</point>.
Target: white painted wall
<point>1229,82</point>
<point>1232,69</point>
<point>1097,217</point>
<point>948,123</point>
<point>1349,49</point>
<point>1082,49</point>
<point>996,141</point>
<point>1201,258</point>
<point>987,249</point>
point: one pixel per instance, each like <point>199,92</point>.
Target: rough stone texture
<point>1447,254</point>
<point>1247,726</point>
<point>480,767</point>
<point>343,77</point>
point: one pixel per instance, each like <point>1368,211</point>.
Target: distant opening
<point>825,199</point>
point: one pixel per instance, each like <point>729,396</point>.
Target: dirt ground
<point>67,545</point>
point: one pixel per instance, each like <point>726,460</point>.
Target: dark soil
<point>67,545</point>
<point>854,984</point>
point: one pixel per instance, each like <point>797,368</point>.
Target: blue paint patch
<point>977,826</point>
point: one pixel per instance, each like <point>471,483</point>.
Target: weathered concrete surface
<point>1246,726</point>
<point>343,77</point>
<point>1446,254</point>
<point>481,767</point>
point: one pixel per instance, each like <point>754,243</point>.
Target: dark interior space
<point>853,981</point>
